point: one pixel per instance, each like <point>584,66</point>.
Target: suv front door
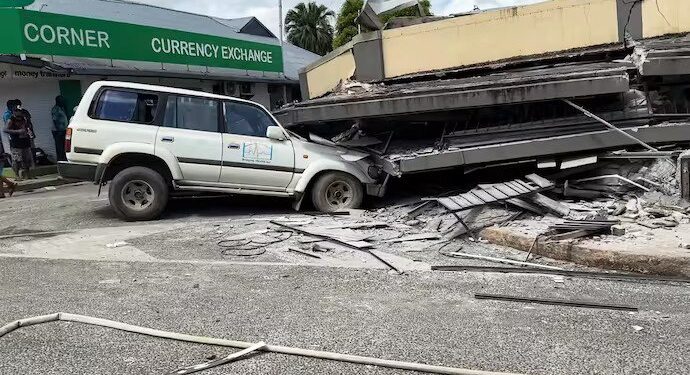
<point>190,132</point>
<point>250,159</point>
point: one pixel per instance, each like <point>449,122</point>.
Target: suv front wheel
<point>138,194</point>
<point>336,191</point>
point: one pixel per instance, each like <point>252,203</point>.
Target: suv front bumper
<point>77,171</point>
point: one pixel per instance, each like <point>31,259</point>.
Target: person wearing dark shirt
<point>60,123</point>
<point>20,132</point>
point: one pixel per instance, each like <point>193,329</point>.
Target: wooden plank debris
<point>491,193</point>
<point>503,260</point>
<point>526,205</point>
<point>419,209</point>
<point>363,225</point>
<point>358,245</point>
<point>572,229</point>
<point>570,235</point>
<point>550,204</point>
<point>541,181</point>
<point>300,251</point>
<point>415,237</point>
<point>549,301</point>
<point>578,162</point>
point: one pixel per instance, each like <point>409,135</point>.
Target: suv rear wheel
<point>138,194</point>
<point>336,191</point>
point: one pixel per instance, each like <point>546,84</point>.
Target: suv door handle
<point>234,146</point>
<point>168,139</point>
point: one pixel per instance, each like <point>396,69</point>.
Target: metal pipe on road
<point>412,366</point>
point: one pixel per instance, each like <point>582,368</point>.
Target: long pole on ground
<point>371,361</point>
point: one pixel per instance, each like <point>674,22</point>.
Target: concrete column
<point>368,52</point>
<point>684,175</point>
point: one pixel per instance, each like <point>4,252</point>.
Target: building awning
<point>229,49</point>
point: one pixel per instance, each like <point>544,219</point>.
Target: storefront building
<point>59,47</point>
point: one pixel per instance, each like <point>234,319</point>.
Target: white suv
<point>151,141</point>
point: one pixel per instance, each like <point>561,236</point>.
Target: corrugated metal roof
<point>295,58</point>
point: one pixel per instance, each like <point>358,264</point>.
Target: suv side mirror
<point>275,133</point>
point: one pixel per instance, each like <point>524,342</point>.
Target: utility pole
<point>280,20</point>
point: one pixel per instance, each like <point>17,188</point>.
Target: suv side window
<point>246,119</point>
<point>126,106</point>
<point>187,112</point>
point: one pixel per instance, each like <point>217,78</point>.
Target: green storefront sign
<point>41,33</point>
<point>15,3</point>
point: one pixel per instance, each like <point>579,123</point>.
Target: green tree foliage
<point>346,25</point>
<point>409,12</point>
<point>308,26</point>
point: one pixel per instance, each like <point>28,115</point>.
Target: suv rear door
<point>191,133</point>
<point>250,159</point>
<point>117,115</point>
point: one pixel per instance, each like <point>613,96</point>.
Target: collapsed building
<point>541,83</point>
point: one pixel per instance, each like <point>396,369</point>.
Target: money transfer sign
<point>42,33</point>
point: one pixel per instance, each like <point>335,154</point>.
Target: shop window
<point>126,106</point>
<point>246,119</point>
<point>186,112</point>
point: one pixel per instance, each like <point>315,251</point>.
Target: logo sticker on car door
<point>257,152</point>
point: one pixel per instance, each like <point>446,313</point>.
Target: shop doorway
<point>71,91</point>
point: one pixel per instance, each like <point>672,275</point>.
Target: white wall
<point>38,97</point>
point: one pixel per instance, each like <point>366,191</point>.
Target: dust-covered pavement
<point>420,316</point>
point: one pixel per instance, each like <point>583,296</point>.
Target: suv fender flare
<point>320,166</point>
<point>120,148</point>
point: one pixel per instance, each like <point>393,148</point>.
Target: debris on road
<point>300,251</point>
<point>246,346</point>
<point>219,362</point>
<point>548,301</point>
<point>116,244</point>
<point>506,261</point>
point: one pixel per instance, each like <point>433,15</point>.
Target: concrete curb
<point>41,183</point>
<point>575,252</point>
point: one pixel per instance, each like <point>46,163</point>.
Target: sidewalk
<point>649,251</point>
<point>45,176</point>
<point>41,182</point>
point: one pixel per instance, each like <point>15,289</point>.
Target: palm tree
<point>308,26</point>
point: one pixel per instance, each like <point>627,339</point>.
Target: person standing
<point>20,144</point>
<point>30,129</point>
<point>4,139</point>
<point>60,122</point>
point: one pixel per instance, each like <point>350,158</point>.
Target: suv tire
<point>138,194</point>
<point>336,191</point>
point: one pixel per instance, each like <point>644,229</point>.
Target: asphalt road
<point>427,317</point>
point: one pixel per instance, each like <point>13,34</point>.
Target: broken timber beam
<point>550,204</point>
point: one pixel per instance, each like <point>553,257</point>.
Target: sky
<point>267,10</point>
